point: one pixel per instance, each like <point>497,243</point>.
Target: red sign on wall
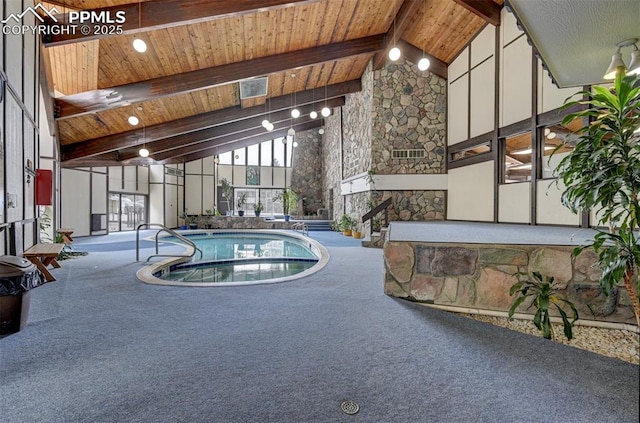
<point>44,187</point>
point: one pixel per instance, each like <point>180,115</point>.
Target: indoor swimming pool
<point>240,257</point>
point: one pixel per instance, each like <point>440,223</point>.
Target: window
<point>278,152</point>
<point>554,136</point>
<point>239,157</point>
<point>266,155</point>
<point>253,155</point>
<point>225,158</point>
<point>289,151</point>
<point>517,158</point>
<point>470,152</point>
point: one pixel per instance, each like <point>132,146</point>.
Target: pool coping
<point>146,274</point>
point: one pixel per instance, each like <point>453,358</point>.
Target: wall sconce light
<point>617,62</point>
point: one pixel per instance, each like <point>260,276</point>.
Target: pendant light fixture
<point>143,152</point>
<point>138,43</point>
<point>295,113</point>
<point>266,124</point>
<point>394,53</point>
<point>134,119</point>
<point>424,63</point>
<point>313,114</point>
<point>325,112</point>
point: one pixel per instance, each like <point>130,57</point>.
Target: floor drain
<point>350,407</point>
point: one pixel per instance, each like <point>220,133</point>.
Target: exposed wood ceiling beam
<point>46,82</point>
<point>205,120</point>
<point>400,23</point>
<point>160,14</point>
<point>486,9</point>
<point>414,54</point>
<point>107,159</point>
<point>123,95</point>
<point>239,143</point>
<point>198,140</point>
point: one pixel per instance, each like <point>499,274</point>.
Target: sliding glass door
<point>126,211</point>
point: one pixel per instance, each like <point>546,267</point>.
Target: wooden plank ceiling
<point>184,89</point>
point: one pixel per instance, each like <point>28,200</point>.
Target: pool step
<point>318,225</point>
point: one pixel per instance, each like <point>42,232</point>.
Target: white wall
<point>458,95</point>
<point>515,82</point>
<point>551,97</point>
<point>483,68</point>
<point>514,203</point>
<point>471,192</point>
<point>76,203</point>
<point>550,209</point>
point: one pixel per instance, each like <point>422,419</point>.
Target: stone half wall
<point>306,172</point>
<point>414,205</point>
<point>479,276</point>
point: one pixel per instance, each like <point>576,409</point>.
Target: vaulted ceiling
<point>184,89</point>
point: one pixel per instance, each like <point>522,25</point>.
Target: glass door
<point>126,211</point>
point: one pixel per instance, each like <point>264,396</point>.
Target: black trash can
<point>17,276</point>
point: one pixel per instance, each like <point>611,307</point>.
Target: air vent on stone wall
<point>408,154</point>
<point>256,87</point>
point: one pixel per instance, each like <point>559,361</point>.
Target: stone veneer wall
<point>332,164</point>
<point>399,107</point>
<point>409,112</point>
<point>306,173</point>
<point>356,127</point>
<point>413,205</point>
<point>249,221</point>
<point>480,276</point>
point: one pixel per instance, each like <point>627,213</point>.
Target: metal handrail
<point>377,209</point>
<point>169,231</point>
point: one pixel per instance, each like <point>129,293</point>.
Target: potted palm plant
<point>346,224</point>
<point>602,173</point>
<point>289,200</point>
<point>257,208</point>
<point>242,200</point>
<point>227,193</point>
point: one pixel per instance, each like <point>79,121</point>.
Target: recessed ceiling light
<point>133,120</point>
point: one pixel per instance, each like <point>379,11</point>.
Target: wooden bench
<point>66,235</point>
<point>43,255</point>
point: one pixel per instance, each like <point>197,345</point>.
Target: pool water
<point>228,246</point>
<point>240,257</point>
<point>237,271</point>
